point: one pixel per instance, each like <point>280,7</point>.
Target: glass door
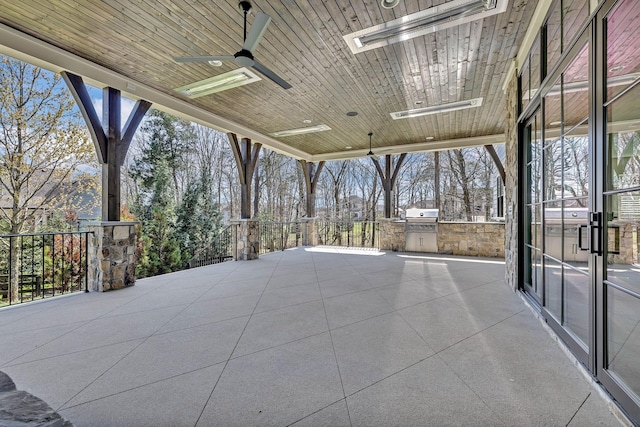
<point>566,162</point>
<point>619,281</point>
<point>580,192</point>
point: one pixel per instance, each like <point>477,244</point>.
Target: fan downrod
<point>370,153</point>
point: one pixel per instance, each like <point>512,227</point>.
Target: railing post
<point>21,267</point>
<point>42,239</point>
<point>86,262</point>
<point>62,281</point>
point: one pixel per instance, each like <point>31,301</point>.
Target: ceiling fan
<point>244,57</point>
<point>371,153</point>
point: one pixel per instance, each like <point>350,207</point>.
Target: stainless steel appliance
<point>565,225</point>
<point>421,230</point>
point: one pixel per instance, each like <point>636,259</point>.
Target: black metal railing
<point>278,236</point>
<point>358,234</point>
<point>220,251</point>
<point>36,266</point>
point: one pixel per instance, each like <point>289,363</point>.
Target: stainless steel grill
<point>422,230</point>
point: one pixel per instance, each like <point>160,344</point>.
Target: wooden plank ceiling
<point>303,44</point>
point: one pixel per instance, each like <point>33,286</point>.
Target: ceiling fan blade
<point>259,26</point>
<point>203,58</point>
<point>271,75</point>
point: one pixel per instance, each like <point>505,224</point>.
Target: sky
<point>96,99</point>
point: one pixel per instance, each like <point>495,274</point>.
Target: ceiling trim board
<point>413,148</point>
<point>532,31</point>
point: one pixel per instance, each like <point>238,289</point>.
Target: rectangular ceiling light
<point>436,18</point>
<point>300,131</point>
<point>579,86</point>
<point>226,81</point>
<point>435,109</point>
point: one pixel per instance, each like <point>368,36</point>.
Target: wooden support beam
<point>246,156</point>
<point>492,152</point>
<point>111,169</point>
<point>311,175</point>
<point>388,178</point>
<point>81,95</point>
<point>111,141</point>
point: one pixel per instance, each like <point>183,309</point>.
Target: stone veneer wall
<point>629,245</point>
<point>112,255</point>
<point>247,239</point>
<point>471,238</point>
<point>511,184</point>
<point>392,234</point>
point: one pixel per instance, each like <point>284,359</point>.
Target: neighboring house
<point>47,198</point>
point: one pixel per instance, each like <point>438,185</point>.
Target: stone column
<point>392,234</point>
<point>628,244</point>
<point>511,185</point>
<point>247,239</point>
<point>309,231</point>
<point>112,255</point>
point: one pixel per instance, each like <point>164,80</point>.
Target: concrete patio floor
<point>309,337</point>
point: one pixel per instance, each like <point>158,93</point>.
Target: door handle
<point>580,237</point>
<point>595,227</point>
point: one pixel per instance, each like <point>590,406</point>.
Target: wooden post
<point>311,175</point>
<point>246,158</point>
<point>388,178</point>
<point>110,139</point>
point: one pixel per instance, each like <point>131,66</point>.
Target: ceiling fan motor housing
<point>244,58</point>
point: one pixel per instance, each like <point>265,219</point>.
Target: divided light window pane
<point>575,88</point>
<point>576,173</point>
<point>535,61</point>
<point>554,36</point>
<point>623,313</point>
<point>574,14</point>
<point>623,129</point>
<point>623,47</point>
<point>553,170</point>
<point>553,111</point>
<point>525,84</point>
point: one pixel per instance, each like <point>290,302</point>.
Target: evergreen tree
<point>161,248</point>
<point>167,139</point>
<point>198,220</point>
<point>173,197</point>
